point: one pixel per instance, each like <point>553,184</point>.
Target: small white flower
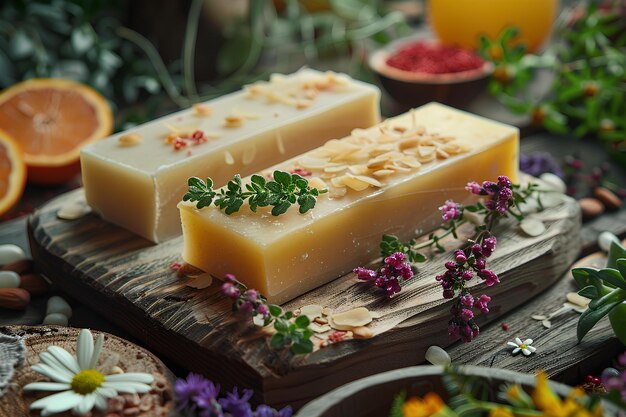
<point>82,386</point>
<point>524,346</point>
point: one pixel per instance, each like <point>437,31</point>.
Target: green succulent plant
<point>606,288</point>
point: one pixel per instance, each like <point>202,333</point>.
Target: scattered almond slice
<point>382,173</point>
<point>201,281</point>
<point>201,110</point>
<point>312,310</point>
<point>546,323</point>
<point>375,314</point>
<point>532,227</point>
<point>233,121</point>
<point>248,155</point>
<point>353,182</point>
<point>577,299</point>
<point>538,317</point>
<point>441,154</point>
<point>362,332</point>
<point>319,328</point>
<point>228,158</point>
<point>316,182</point>
<point>327,311</point>
<point>130,139</point>
<point>320,320</point>
<point>352,318</point>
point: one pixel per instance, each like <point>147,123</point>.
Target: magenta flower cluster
<point>450,211</point>
<point>468,263</point>
<point>388,277</point>
<point>244,300</point>
<point>500,193</point>
<point>198,396</point>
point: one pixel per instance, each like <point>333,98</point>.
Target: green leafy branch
<point>589,66</point>
<point>280,193</point>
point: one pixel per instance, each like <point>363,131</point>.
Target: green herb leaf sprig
<point>280,193</point>
<point>291,333</point>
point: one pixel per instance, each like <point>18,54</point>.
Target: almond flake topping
<point>371,158</point>
<point>299,91</point>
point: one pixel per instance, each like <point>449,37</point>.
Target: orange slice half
<point>12,173</point>
<point>52,119</point>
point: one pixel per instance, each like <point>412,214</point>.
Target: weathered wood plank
<point>129,280</point>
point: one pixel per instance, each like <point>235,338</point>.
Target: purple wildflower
<point>489,276</point>
<point>230,290</point>
<point>389,275</point>
<point>365,274</point>
<point>482,302</point>
<point>263,310</point>
<point>488,246</point>
<point>539,163</point>
<point>192,389</point>
<point>473,187</point>
<point>235,405</point>
<point>450,210</point>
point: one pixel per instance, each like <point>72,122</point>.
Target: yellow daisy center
<point>87,381</point>
<point>522,346</point>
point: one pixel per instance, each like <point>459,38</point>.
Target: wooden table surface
<point>558,351</point>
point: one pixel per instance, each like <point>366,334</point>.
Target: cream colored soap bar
<point>387,179</point>
<point>135,179</point>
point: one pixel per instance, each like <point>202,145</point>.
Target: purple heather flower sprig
<point>198,396</point>
<point>290,331</point>
<point>615,381</point>
<point>388,277</point>
<point>244,299</point>
<point>471,261</point>
<point>468,263</point>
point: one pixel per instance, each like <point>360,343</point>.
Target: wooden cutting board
<point>129,280</point>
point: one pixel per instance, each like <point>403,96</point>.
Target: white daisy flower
<point>82,386</point>
<point>524,346</point>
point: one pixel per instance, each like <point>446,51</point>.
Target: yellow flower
<point>426,407</point>
<point>500,412</point>
<point>552,406</point>
<point>544,398</point>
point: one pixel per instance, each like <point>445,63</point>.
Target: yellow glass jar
<point>461,22</point>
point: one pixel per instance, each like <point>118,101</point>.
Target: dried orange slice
<point>12,173</point>
<point>51,119</point>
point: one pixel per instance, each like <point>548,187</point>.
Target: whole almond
<point>590,207</point>
<point>21,267</point>
<point>34,284</point>
<point>14,298</point>
<point>608,197</point>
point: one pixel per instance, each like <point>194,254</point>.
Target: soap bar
<point>390,178</point>
<point>135,179</point>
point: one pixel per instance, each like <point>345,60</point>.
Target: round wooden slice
<point>115,352</point>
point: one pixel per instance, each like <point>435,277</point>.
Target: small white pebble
<point>9,279</point>
<point>438,356</point>
<point>73,211</point>
<point>56,319</point>
<point>553,182</point>
<point>532,227</point>
<point>11,253</point>
<point>605,239</point>
<point>57,304</point>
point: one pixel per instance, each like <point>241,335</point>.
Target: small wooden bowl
<point>412,89</point>
<point>373,396</point>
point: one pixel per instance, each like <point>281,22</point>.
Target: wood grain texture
<point>115,352</point>
<point>129,280</point>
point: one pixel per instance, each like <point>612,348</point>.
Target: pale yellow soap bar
<point>136,178</point>
<point>387,179</point>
